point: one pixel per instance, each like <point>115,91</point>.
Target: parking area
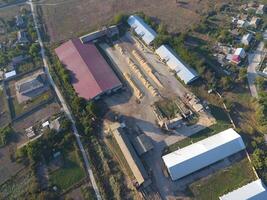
<point>137,111</point>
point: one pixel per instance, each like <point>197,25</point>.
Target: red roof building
<point>236,59</point>
<point>90,72</point>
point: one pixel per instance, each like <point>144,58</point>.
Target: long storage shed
<point>201,154</point>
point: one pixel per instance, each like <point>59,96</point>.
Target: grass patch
<point>224,181</point>
<point>16,187</point>
<point>168,108</point>
<point>222,124</point>
<point>70,173</point>
<point>19,109</point>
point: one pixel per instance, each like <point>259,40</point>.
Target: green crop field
<point>223,181</point>
<point>70,173</point>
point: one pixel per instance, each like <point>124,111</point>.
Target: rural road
<point>64,104</point>
<point>254,60</point>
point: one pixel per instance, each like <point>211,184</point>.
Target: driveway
<point>254,60</point>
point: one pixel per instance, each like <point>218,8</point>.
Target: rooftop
<point>142,29</point>
<point>184,72</point>
<point>91,74</point>
<point>255,190</point>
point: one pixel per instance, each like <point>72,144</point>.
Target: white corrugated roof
<point>10,74</point>
<point>252,191</point>
<point>240,52</point>
<point>184,72</point>
<point>203,153</point>
<point>142,29</point>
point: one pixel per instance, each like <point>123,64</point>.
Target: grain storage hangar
<point>142,29</point>
<point>185,73</point>
<point>203,153</point>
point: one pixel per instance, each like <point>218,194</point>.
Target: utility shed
<point>142,29</point>
<point>131,157</point>
<point>203,153</point>
<point>255,190</point>
<point>142,144</point>
<point>185,73</point>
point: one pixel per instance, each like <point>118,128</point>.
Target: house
<point>55,124</point>
<point>255,21</point>
<point>238,55</point>
<point>255,190</point>
<point>246,39</point>
<point>242,23</point>
<point>194,157</point>
<point>10,74</point>
<point>18,59</point>
<point>22,37</point>
<point>184,72</point>
<point>143,30</point>
<point>240,52</point>
<point>261,9</point>
<point>91,75</point>
<point>30,87</point>
<point>19,21</point>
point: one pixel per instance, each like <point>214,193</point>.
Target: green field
<point>18,109</point>
<point>223,181</point>
<point>70,173</point>
<point>17,186</point>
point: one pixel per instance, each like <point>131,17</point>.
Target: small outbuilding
<point>10,74</point>
<point>246,39</point>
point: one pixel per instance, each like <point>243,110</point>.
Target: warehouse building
<point>91,75</point>
<point>201,154</point>
<point>173,61</point>
<point>255,190</point>
<point>144,31</point>
<point>130,155</point>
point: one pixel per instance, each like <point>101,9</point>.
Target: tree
<point>34,150</point>
<point>5,135</point>
<point>242,75</point>
<point>119,18</point>
<point>258,157</point>
<point>258,37</point>
<point>34,50</point>
<point>260,82</point>
<point>162,29</point>
<point>226,82</point>
<point>3,59</point>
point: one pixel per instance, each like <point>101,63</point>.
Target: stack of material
<point>142,78</point>
<point>137,91</point>
<point>147,67</point>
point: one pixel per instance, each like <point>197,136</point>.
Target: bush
<point>5,135</point>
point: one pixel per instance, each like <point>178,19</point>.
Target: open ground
<point>94,14</point>
<point>140,113</point>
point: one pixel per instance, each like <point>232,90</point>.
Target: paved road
<point>254,60</point>
<point>64,105</point>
